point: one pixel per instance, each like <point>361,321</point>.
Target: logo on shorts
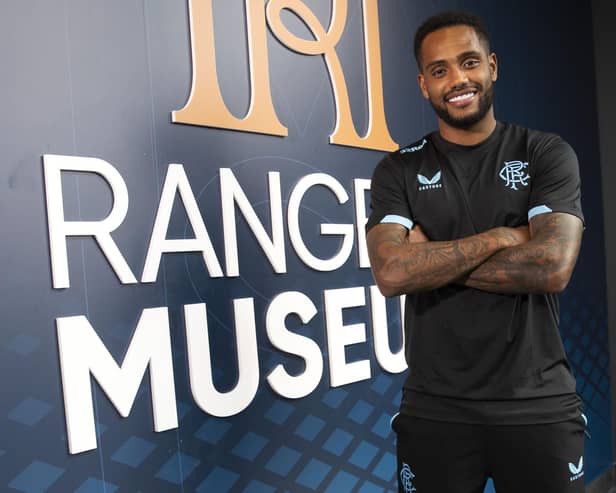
<point>577,471</point>
<point>513,173</point>
<point>428,183</point>
<point>406,479</point>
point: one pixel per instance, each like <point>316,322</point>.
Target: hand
<point>510,237</point>
<point>522,233</point>
<point>416,235</point>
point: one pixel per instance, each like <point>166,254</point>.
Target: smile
<point>461,98</point>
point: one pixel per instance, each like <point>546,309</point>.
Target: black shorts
<point>444,457</point>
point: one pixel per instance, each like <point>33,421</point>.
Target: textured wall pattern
<point>100,79</point>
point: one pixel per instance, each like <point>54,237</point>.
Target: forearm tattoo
<point>400,266</point>
<point>544,264</point>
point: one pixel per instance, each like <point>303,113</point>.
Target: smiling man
<point>479,224</point>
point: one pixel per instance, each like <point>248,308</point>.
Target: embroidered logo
<point>428,183</point>
<point>577,471</point>
<point>513,173</point>
<point>406,479</point>
<point>414,148</point>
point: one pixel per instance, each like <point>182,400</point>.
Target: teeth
<point>462,97</point>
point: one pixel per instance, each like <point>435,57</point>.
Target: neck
<point>475,134</point>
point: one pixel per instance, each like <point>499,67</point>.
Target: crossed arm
<point>502,260</point>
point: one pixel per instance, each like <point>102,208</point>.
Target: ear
<point>422,85</point>
<point>493,66</point>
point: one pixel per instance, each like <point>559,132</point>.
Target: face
<point>457,76</point>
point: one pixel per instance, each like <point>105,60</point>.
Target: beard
<point>486,99</point>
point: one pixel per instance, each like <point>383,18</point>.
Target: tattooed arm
<point>402,263</point>
<point>543,265</point>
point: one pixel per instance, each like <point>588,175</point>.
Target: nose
<point>458,77</point>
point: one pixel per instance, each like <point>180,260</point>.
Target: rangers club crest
<point>406,479</point>
<point>514,174</point>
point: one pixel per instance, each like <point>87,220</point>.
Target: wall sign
<point>206,106</point>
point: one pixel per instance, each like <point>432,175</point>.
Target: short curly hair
<point>447,19</point>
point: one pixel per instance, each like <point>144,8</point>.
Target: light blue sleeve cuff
<point>391,421</point>
<point>394,219</point>
<point>540,209</point>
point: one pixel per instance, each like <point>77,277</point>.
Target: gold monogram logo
<point>206,107</point>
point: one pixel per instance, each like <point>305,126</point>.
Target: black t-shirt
<point>476,356</point>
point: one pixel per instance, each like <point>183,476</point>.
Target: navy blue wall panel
<point>100,79</point>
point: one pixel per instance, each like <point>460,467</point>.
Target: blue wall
<point>100,79</point>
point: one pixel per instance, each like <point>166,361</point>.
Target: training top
<point>476,356</point>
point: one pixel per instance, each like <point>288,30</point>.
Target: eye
<point>470,63</point>
<point>438,72</point>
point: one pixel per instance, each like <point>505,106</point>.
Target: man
<point>479,224</point>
